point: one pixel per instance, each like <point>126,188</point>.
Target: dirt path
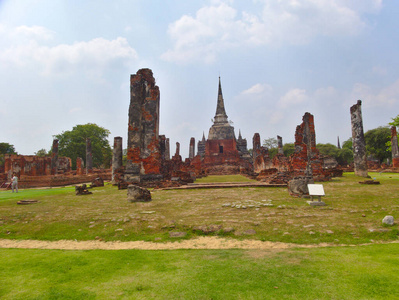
<point>199,243</point>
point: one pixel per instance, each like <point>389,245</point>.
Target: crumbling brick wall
<point>32,165</point>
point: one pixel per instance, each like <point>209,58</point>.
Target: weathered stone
<point>192,148</point>
<point>31,165</point>
<point>201,146</point>
<point>89,157</point>
<point>299,186</point>
<point>143,152</point>
<point>306,160</point>
<point>138,194</point>
<point>167,149</point>
<point>177,234</point>
<point>280,145</point>
<point>394,147</point>
<point>388,220</point>
<point>260,155</point>
<point>79,166</point>
<point>359,143</point>
<point>97,182</point>
<point>54,157</point>
<point>82,190</point>
<point>117,155</point>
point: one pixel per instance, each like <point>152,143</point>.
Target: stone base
<point>316,203</point>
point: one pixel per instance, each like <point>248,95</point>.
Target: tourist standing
<point>14,183</point>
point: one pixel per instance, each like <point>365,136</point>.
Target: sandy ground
<point>199,243</point>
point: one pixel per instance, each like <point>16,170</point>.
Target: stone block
<point>138,194</point>
<point>388,220</point>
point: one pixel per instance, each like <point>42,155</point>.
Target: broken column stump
<point>359,143</point>
<point>138,194</point>
<point>117,155</point>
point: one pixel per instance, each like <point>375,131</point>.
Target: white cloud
<point>386,97</point>
<point>33,32</point>
<point>91,57</point>
<point>219,26</point>
<point>258,89</point>
<point>293,97</point>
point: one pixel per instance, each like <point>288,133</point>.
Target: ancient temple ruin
<point>224,154</point>
<point>148,158</point>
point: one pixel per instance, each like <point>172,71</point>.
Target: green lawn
<point>362,272</point>
<point>353,216</point>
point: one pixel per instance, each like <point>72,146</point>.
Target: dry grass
<point>353,214</point>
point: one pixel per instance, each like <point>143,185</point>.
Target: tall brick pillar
<point>144,160</point>
<point>359,143</point>
<point>167,149</point>
<point>54,157</point>
<point>117,155</point>
<point>280,145</point>
<point>395,148</point>
<point>256,146</point>
<point>89,157</point>
<point>192,148</point>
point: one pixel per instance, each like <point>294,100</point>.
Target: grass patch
<point>353,214</point>
<point>364,272</point>
<point>224,178</point>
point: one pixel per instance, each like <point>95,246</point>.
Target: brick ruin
<point>305,162</point>
<point>149,161</point>
<point>359,143</point>
<point>394,147</point>
<point>48,171</point>
<point>148,153</point>
<point>144,159</point>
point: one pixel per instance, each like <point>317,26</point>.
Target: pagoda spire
<point>220,116</point>
<point>239,134</point>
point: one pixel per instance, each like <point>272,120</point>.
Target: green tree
<point>42,152</point>
<point>328,149</point>
<point>73,144</point>
<point>6,148</point>
<point>347,144</point>
<point>343,156</point>
<point>288,149</point>
<point>376,143</point>
<point>272,145</point>
<point>395,121</point>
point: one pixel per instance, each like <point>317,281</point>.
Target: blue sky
<point>65,63</point>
